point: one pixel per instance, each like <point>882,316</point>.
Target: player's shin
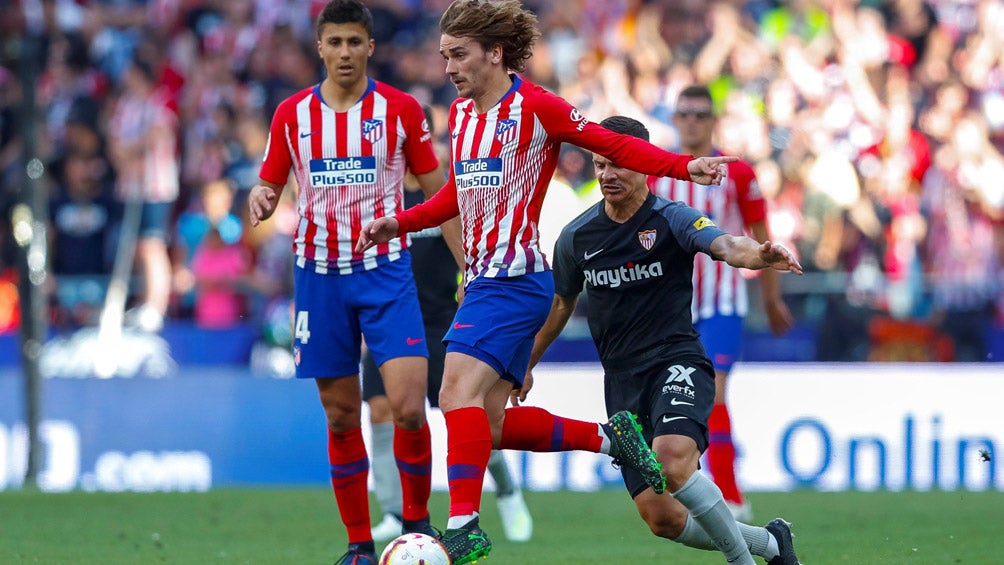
<point>349,473</point>
<point>707,507</point>
<point>468,447</point>
<point>528,428</point>
<point>413,453</point>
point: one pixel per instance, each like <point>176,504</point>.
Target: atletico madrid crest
<point>647,239</point>
<point>372,130</point>
<point>505,131</point>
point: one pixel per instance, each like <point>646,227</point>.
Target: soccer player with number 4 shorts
<point>348,141</point>
<point>633,252</point>
<point>506,134</point>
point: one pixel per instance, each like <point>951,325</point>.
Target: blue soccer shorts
<point>498,320</point>
<point>333,311</point>
<point>721,337</point>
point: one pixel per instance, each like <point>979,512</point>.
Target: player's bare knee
<point>677,468</point>
<point>663,520</point>
<point>342,416</point>
<point>410,418</point>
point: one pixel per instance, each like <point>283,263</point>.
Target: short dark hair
<point>345,12</point>
<point>696,91</point>
<point>503,22</point>
<point>626,126</point>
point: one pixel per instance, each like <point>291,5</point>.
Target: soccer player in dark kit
<point>634,253</point>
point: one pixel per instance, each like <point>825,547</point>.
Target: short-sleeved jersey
<point>349,167</point>
<point>718,287</point>
<point>637,276</point>
<point>502,164</point>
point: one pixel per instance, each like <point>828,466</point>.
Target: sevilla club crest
<point>647,239</point>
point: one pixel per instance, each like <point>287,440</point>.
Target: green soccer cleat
<point>466,544</point>
<point>628,447</point>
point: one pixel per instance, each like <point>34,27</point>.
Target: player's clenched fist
<point>380,230</point>
<point>261,202</point>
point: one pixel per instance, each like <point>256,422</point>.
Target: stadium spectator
<point>642,327</point>
<point>143,144</point>
<point>219,265</point>
<point>720,300</point>
<point>965,212</point>
<point>84,217</point>
<point>506,135</point>
<point>348,140</point>
<point>212,211</point>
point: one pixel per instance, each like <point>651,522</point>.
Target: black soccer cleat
<point>467,543</point>
<point>419,527</point>
<point>628,447</point>
<point>357,556</point>
<point>781,530</point>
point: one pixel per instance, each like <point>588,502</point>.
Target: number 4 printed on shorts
<point>302,331</point>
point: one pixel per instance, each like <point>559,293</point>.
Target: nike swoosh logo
<point>413,341</point>
<point>459,326</point>
<point>666,420</point>
<point>675,402</point>
<point>308,134</point>
<point>587,255</point>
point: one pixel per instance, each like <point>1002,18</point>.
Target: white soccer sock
<point>459,521</point>
<point>499,469</point>
<point>605,442</point>
<point>758,539</point>
<point>707,507</point>
<point>386,478</point>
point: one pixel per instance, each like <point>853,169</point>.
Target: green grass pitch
<point>301,526</point>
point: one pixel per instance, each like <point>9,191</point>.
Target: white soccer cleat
<point>741,512</point>
<point>516,520</point>
<point>389,528</point>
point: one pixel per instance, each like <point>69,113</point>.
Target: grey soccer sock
<point>758,539</point>
<point>499,468</point>
<point>707,507</point>
<point>384,468</point>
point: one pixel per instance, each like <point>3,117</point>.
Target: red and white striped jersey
<point>349,167</point>
<point>718,287</point>
<point>502,163</point>
<point>147,122</point>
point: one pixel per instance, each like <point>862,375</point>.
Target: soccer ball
<point>414,549</point>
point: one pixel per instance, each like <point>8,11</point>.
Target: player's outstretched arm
<point>745,252</point>
<point>380,230</point>
<point>262,200</point>
<point>710,170</point>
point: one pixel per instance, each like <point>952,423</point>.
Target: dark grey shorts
<point>670,396</point>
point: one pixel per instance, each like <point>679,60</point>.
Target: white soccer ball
<point>414,549</point>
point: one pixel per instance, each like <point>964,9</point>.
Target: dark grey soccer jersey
<point>637,277</point>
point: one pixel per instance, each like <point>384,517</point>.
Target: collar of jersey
<point>370,87</point>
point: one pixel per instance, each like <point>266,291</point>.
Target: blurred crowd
<point>875,130</point>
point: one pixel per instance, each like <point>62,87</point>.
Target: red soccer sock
<point>528,428</point>
<point>468,447</point>
<point>413,454</point>
<point>349,473</point>
<point>722,454</point>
